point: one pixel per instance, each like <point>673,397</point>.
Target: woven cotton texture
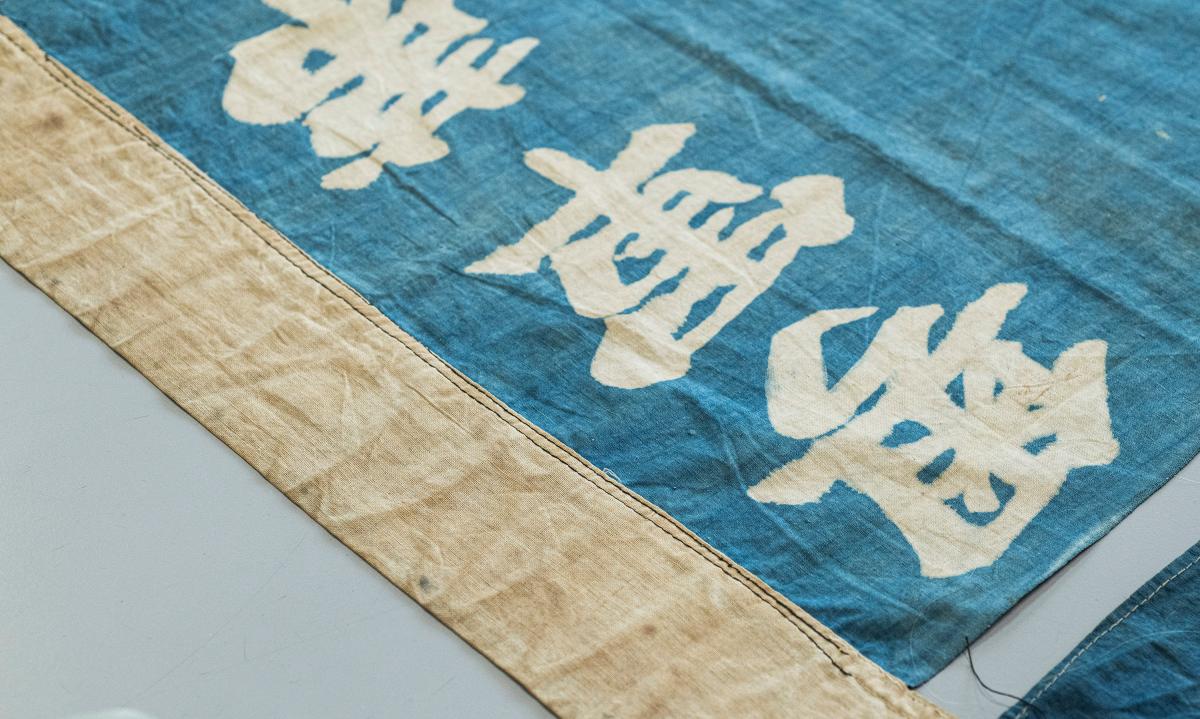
<point>894,304</point>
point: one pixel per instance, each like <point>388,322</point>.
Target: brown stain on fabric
<point>51,122</point>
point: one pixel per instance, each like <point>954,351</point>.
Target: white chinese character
<point>700,277</point>
<point>370,85</point>
<point>966,444</point>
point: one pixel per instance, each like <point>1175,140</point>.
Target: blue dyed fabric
<point>915,188</point>
<point>1142,661</point>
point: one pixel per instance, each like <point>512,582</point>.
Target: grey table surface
<point>146,572</point>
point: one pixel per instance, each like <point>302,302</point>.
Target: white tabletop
<point>147,572</point>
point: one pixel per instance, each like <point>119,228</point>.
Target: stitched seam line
<point>610,487</point>
<point>1108,629</point>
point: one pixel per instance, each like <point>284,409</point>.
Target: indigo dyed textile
<point>1142,661</point>
<point>892,303</point>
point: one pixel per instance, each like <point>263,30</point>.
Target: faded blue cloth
<point>1142,661</point>
<point>1050,144</point>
